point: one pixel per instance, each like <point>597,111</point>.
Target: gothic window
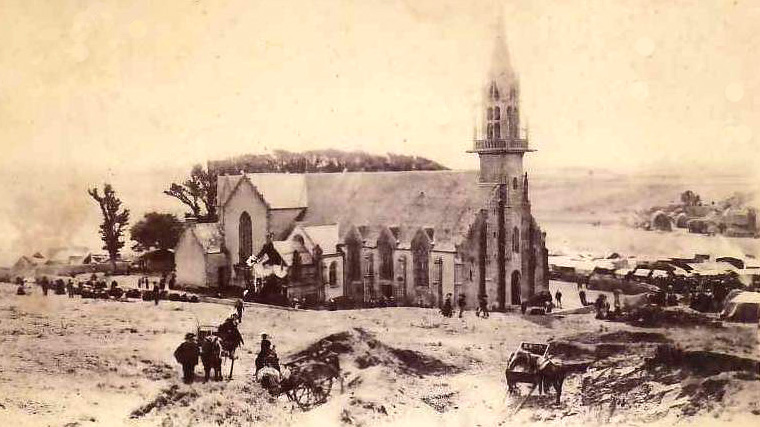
<point>420,261</point>
<point>496,131</point>
<point>245,237</point>
<point>490,113</point>
<point>497,113</point>
<point>489,131</point>
<point>354,257</point>
<point>385,247</point>
<point>515,240</point>
<point>333,274</point>
<point>494,92</point>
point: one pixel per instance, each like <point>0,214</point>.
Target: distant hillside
<point>321,161</point>
<point>611,198</point>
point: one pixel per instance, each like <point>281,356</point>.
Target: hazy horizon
<point>135,93</point>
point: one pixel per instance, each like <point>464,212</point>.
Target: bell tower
<point>499,141</point>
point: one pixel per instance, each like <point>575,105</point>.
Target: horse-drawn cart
<point>523,369</point>
<point>531,364</point>
<point>308,384</point>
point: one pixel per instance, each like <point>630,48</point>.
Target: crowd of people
<point>211,348</point>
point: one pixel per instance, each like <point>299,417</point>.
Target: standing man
<point>482,306</point>
<point>239,308</point>
<point>447,309</point>
<point>70,288</point>
<point>156,293</point>
<point>558,297</point>
<point>462,302</point>
<point>44,284</point>
<point>187,355</point>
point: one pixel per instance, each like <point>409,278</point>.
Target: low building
<point>200,257</point>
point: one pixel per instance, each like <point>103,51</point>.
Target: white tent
<point>744,307</point>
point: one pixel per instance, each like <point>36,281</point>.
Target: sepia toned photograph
<point>379,213</point>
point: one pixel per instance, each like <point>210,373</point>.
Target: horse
<point>538,370</point>
<point>230,341</point>
<point>211,356</point>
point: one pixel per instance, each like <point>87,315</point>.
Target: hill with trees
<point>321,161</point>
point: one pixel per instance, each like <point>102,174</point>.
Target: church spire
<point>500,69</point>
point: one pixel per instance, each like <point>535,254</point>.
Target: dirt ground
<point>74,362</point>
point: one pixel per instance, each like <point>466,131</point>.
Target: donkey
<point>543,372</point>
<point>211,356</point>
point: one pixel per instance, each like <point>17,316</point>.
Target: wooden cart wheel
<point>305,396</point>
<point>322,388</point>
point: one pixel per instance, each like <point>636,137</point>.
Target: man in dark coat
<point>558,297</point>
<point>239,308</point>
<point>482,306</point>
<point>462,302</point>
<point>187,355</point>
<point>156,293</point>
<point>447,309</point>
<point>44,284</point>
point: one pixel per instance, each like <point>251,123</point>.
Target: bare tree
<point>198,193</point>
<point>114,220</point>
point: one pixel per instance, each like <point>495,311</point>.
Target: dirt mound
<point>651,316</point>
<point>594,346</point>
<point>171,396</point>
<point>363,349</point>
<point>633,337</point>
<point>673,381</point>
<point>703,363</point>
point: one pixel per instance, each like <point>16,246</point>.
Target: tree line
<point>198,192</point>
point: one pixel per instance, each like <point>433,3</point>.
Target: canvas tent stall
<point>743,307</point>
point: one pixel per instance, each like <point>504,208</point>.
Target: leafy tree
<point>198,193</point>
<point>156,231</point>
<point>114,220</point>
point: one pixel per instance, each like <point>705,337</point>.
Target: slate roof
<point>446,201</point>
<point>279,190</point>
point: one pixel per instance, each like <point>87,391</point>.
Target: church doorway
<point>516,288</point>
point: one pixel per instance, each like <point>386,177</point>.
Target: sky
<point>135,92</point>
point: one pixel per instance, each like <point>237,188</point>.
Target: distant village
<point>732,217</point>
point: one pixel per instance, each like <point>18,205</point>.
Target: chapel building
<point>414,236</point>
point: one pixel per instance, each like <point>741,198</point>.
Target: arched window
<point>354,257</point>
<point>497,113</point>
<point>516,240</point>
<point>514,183</point>
<point>420,261</point>
<point>489,114</point>
<point>489,131</point>
<point>245,237</point>
<point>385,248</point>
<point>333,274</point>
<point>496,131</point>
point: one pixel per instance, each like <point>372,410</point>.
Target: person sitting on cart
<point>267,355</point>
